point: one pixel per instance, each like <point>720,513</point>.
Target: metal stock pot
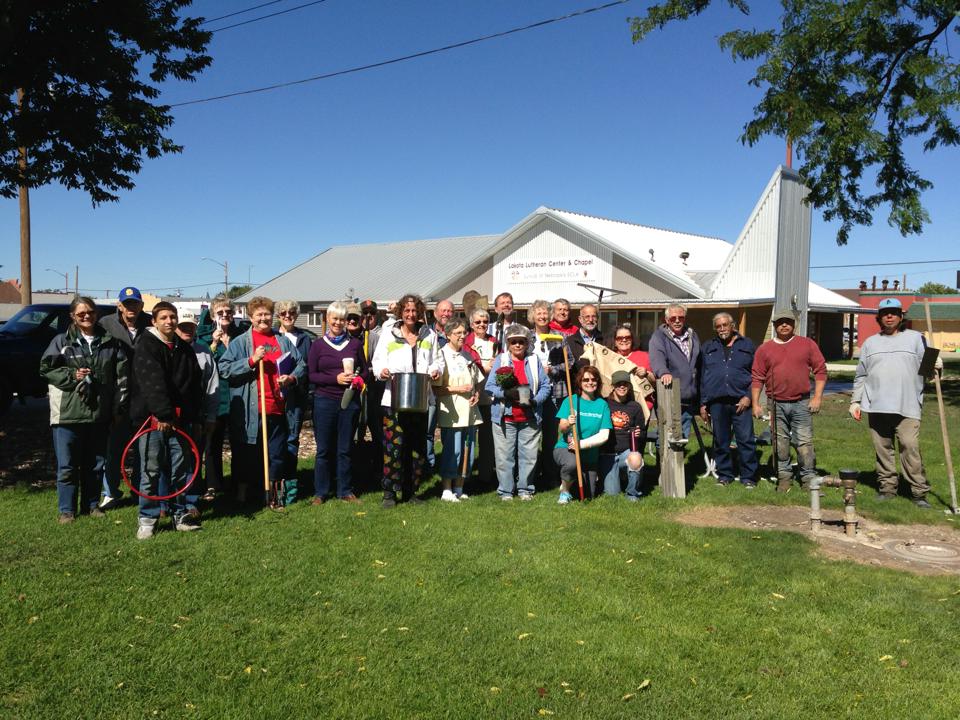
<point>410,392</point>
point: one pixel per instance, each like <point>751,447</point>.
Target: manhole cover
<point>926,551</point>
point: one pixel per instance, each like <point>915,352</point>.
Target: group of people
<point>523,406</point>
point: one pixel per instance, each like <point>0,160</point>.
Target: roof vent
<point>651,255</point>
<point>683,256</point>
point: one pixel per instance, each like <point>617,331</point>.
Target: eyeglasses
<point>678,318</point>
<point>353,318</point>
<point>224,313</point>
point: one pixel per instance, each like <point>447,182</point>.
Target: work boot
<point>784,484</point>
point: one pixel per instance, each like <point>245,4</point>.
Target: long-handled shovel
<point>573,428</point>
<point>943,421</point>
<point>263,435</point>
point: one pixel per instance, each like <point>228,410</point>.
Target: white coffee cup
<point>348,366</point>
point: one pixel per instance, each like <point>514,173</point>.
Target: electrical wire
<point>883,264</point>
<point>241,12</point>
<point>267,17</point>
<point>412,56</point>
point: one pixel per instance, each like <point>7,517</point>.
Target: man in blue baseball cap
<point>127,325</point>
<point>889,388</point>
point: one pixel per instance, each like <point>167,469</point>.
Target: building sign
<point>569,268</point>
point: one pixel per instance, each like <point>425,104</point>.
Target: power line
<point>884,264</point>
<point>267,17</point>
<point>404,58</point>
<point>241,12</point>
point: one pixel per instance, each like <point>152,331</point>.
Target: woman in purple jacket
<point>335,360</point>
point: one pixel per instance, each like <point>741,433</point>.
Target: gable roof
<point>388,269</point>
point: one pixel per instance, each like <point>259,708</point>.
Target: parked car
<point>23,338</point>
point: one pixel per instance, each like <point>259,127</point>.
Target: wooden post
<point>672,455</point>
<point>742,325</point>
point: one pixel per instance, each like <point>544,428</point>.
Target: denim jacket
<point>539,387</point>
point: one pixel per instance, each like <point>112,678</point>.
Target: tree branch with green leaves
<point>848,82</point>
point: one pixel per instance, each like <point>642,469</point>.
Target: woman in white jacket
<point>458,413</point>
<point>408,346</point>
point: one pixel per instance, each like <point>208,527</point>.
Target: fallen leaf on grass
<point>33,619</point>
<point>544,711</point>
<point>778,596</point>
<point>523,636</point>
<point>747,696</point>
<point>629,561</point>
<point>380,577</point>
<point>580,642</point>
<point>361,513</point>
<point>568,691</point>
<point>495,690</point>
<point>884,658</point>
<point>903,663</point>
<point>189,706</point>
<point>402,629</point>
<point>541,691</point>
<point>381,563</point>
<point>530,615</point>
<point>119,686</point>
<point>644,685</point>
<point>564,683</point>
<point>248,669</point>
<point>21,597</point>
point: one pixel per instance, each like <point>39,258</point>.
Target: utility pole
<point>76,280</point>
<point>26,279</point>
<point>226,288</point>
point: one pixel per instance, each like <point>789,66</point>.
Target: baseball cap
<point>187,316</point>
<point>353,309</point>
<point>890,305</point>
<point>130,293</point>
<point>784,312</point>
<point>517,331</point>
<point>620,376</point>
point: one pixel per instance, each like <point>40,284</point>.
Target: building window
<point>315,319</point>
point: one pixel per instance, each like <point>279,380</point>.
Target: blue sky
<point>572,115</point>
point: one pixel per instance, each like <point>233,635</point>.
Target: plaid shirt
<point>683,341</point>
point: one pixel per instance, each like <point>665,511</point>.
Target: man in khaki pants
<point>889,389</point>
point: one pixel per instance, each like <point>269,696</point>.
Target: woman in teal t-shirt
<point>593,424</point>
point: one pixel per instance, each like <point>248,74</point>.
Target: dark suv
<point>23,338</point>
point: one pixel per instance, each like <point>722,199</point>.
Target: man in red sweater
<point>783,366</point>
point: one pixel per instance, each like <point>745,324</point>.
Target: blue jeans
<point>723,415</point>
<point>795,427</point>
<point>516,445</point>
<point>333,430</point>
<point>431,433</point>
<point>163,456</point>
<point>81,452</point>
<point>611,467</point>
<point>120,433</point>
<point>451,459</point>
<point>294,424</point>
<point>247,461</point>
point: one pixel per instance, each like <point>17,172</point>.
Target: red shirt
<point>784,368</point>
<point>520,371</point>
<point>273,398</point>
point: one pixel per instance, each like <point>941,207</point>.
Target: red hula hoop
<point>149,426</point>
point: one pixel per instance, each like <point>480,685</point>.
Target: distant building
<point>553,253</point>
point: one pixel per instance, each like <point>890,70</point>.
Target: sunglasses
<point>353,318</point>
<point>624,337</point>
<point>678,318</point>
<point>288,313</point>
<point>589,380</point>
<point>224,313</point>
<point>517,341</point>
<point>83,314</point>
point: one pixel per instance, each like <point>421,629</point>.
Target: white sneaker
<point>506,498</point>
<point>526,498</point>
<point>145,528</point>
<point>448,496</point>
<point>462,496</point>
<point>564,498</point>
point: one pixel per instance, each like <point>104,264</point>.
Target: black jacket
<point>164,379</point>
<point>116,329</point>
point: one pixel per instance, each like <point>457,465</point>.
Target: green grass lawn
<point>483,609</point>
